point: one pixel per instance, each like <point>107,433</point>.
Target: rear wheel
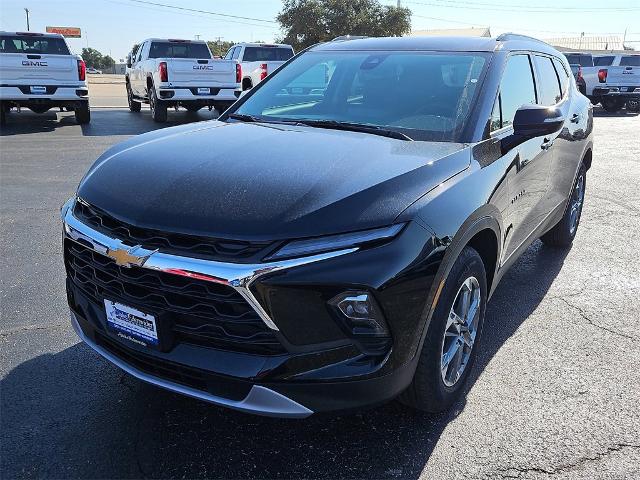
<point>82,113</point>
<point>563,233</point>
<point>158,107</point>
<point>453,337</point>
<point>133,105</point>
<point>611,105</point>
<point>633,105</point>
<point>3,113</point>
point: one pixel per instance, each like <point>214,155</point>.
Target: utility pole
<point>26,10</point>
<point>219,47</point>
<point>399,4</point>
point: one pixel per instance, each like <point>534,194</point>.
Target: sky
<point>113,26</point>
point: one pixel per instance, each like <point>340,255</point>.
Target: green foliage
<point>306,22</point>
<point>93,58</point>
<point>219,49</point>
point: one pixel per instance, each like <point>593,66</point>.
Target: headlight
<point>301,248</point>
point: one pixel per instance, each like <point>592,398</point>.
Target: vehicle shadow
<point>600,112</point>
<point>104,122</point>
<point>111,425</point>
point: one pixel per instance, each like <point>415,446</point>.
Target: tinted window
<point>33,44</point>
<point>580,59</point>
<point>374,88</point>
<point>562,75</point>
<point>236,53</point>
<point>267,54</point>
<point>496,121</point>
<point>630,60</point>
<point>547,81</point>
<point>603,61</point>
<point>516,87</point>
<point>229,54</point>
<point>179,50</point>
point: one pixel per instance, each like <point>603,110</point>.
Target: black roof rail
<point>517,36</point>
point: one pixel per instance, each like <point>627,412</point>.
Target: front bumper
<point>319,366</point>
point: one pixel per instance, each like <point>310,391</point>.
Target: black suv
<point>333,239</point>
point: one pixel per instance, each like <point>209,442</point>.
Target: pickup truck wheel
<point>453,337</point>
<point>158,107</point>
<point>633,105</point>
<point>611,105</point>
<point>133,105</point>
<point>82,113</point>
<point>3,115</point>
<point>563,233</point>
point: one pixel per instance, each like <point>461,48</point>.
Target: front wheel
<point>453,337</point>
<point>563,233</point>
<point>82,113</point>
<point>158,107</point>
<point>133,105</point>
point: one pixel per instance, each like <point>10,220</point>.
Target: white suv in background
<point>257,60</point>
<point>39,72</point>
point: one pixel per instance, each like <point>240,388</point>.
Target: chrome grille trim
<point>236,275</point>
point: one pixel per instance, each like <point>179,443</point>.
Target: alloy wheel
<point>460,331</point>
<point>577,198</point>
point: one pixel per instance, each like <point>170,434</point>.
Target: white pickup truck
<point>38,71</point>
<point>610,79</point>
<point>257,60</point>
<point>171,73</point>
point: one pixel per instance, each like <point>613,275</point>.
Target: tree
<point>93,58</point>
<point>306,22</point>
<point>219,49</point>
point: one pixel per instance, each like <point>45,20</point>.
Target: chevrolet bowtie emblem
<point>129,257</point>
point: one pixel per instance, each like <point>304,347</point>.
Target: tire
<point>133,105</point>
<point>158,107</point>
<point>82,113</point>
<point>4,113</point>
<point>247,84</point>
<point>612,105</point>
<point>633,105</point>
<point>563,233</point>
<point>432,390</point>
<point>193,108</point>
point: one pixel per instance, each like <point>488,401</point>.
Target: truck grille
<point>199,312</point>
<point>175,243</point>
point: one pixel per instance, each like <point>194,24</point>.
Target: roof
<point>443,44</point>
<point>263,44</point>
<point>35,34</point>
<point>587,43</point>
<point>453,32</point>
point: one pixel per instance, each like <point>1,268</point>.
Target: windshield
<point>33,44</point>
<point>424,95</point>
<point>267,54</point>
<point>178,50</point>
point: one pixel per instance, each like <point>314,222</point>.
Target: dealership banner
<point>69,32</point>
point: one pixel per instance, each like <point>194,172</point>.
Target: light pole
<point>26,10</point>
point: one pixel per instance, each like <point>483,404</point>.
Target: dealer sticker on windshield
<point>131,324</point>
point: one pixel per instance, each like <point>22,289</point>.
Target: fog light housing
<point>360,313</point>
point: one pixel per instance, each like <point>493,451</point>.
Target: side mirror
<point>129,60</point>
<point>533,121</point>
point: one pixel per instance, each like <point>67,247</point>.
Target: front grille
<point>198,312</point>
<point>187,376</point>
<point>175,243</point>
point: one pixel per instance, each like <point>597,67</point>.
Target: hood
<point>265,182</point>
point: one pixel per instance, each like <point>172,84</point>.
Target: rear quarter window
<point>546,81</point>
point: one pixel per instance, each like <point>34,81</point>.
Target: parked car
<point>311,252</point>
<point>257,60</point>
<point>619,84</point>
<point>94,71</point>
<point>170,73</point>
<point>595,69</point>
<point>39,72</point>
<point>577,74</point>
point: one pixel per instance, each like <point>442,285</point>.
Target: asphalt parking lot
<point>554,392</point>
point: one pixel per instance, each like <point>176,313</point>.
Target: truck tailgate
<point>623,76</point>
<point>201,72</point>
<point>41,69</point>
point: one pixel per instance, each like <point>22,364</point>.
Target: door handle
<point>575,118</point>
<point>546,144</point>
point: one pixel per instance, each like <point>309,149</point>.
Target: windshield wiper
<point>244,118</point>
<point>356,127</point>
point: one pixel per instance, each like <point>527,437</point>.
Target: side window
<point>630,61</point>
<point>236,53</point>
<point>516,88</point>
<point>562,75</point>
<point>496,120</point>
<point>140,49</point>
<point>229,54</point>
<point>547,81</point>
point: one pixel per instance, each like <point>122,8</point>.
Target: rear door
<point>35,59</point>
